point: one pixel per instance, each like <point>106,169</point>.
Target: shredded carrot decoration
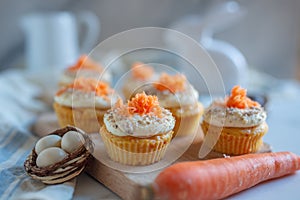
<point>141,71</point>
<point>119,103</point>
<point>122,109</point>
<point>84,62</point>
<point>175,83</point>
<point>238,99</point>
<point>144,104</point>
<point>88,85</point>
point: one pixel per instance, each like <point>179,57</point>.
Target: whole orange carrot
<point>219,178</point>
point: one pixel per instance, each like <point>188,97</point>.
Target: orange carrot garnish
<point>220,178</point>
<point>175,83</point>
<point>144,104</point>
<point>119,103</point>
<point>141,71</point>
<point>88,85</point>
<point>84,62</point>
<point>122,108</point>
<point>238,99</point>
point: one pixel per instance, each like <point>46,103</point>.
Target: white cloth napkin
<point>19,106</point>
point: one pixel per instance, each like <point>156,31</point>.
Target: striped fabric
<point>15,145</point>
<point>18,109</point>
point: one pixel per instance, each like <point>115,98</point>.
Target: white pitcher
<point>51,39</point>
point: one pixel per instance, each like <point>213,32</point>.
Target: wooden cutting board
<point>128,181</point>
<point>128,185</point>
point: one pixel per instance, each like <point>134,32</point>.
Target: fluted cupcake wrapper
<point>128,152</point>
<point>234,141</point>
<point>87,119</point>
<point>186,123</point>
<point>236,145</point>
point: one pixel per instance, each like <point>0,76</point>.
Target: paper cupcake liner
<point>187,122</point>
<point>234,141</point>
<point>135,151</point>
<point>87,119</point>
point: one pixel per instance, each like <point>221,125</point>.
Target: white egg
<point>71,141</point>
<point>46,142</point>
<point>50,156</point>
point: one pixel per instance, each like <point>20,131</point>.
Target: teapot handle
<point>230,61</point>
<point>92,30</point>
<point>220,15</point>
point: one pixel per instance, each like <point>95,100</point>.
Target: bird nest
<point>68,168</point>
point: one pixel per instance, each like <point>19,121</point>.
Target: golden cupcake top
<point>235,110</point>
<point>141,71</point>
<point>141,116</point>
<point>85,92</point>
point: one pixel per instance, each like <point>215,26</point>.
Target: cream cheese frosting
<point>137,85</point>
<point>138,125</point>
<point>168,99</point>
<point>69,76</point>
<point>220,115</point>
<point>77,98</point>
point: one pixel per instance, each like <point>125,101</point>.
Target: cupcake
<point>239,122</point>
<point>137,133</point>
<point>83,104</point>
<point>138,77</point>
<point>177,95</point>
<point>84,67</point>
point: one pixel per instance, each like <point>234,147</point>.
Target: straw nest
<point>68,168</point>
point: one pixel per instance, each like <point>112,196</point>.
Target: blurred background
<point>266,33</point>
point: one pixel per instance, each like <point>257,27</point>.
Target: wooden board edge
<point>128,190</point>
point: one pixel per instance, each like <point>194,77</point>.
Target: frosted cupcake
<point>177,95</point>
<point>84,67</point>
<point>137,133</point>
<point>240,122</point>
<point>83,104</point>
<point>139,75</point>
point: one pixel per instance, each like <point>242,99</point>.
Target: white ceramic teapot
<point>230,61</point>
